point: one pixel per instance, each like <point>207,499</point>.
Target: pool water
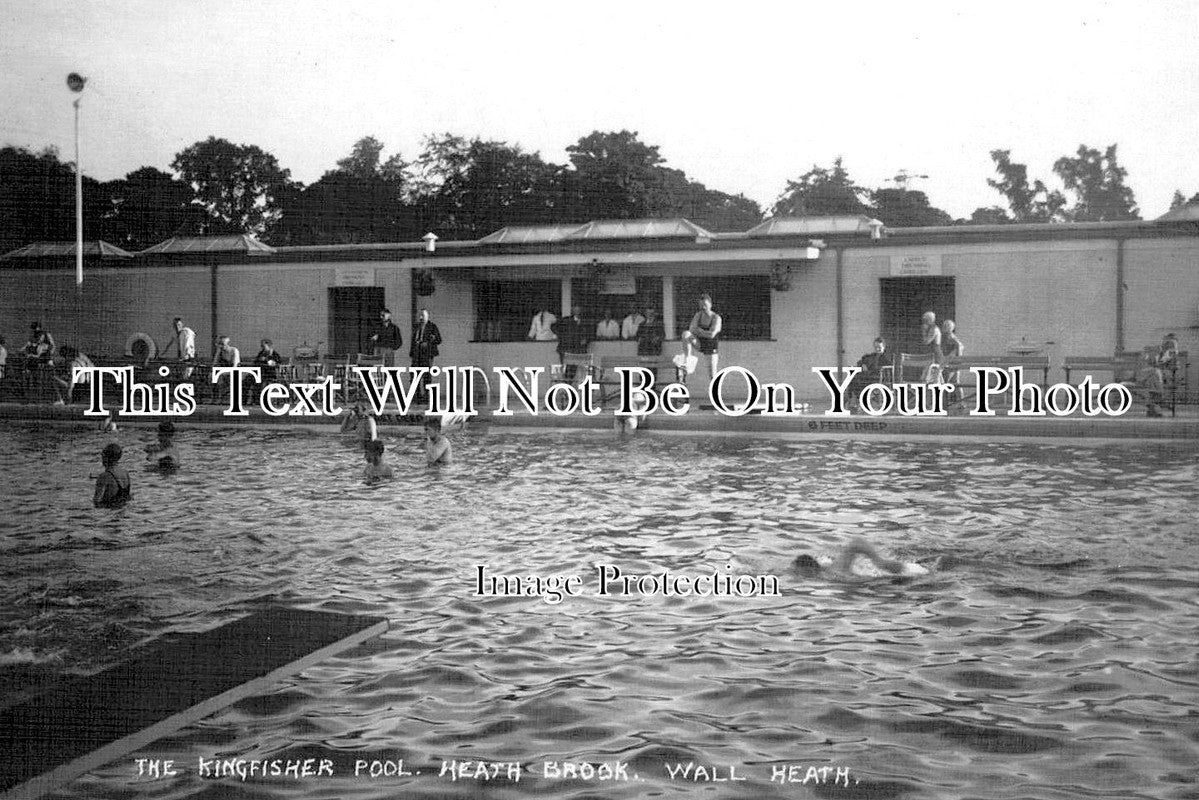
<point>1051,654</point>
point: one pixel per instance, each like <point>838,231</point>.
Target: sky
<point>740,96</point>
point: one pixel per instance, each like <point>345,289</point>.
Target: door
<point>904,301</point>
<point>353,318</point>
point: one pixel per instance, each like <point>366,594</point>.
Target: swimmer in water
<point>163,455</point>
<point>627,425</point>
<point>113,487</point>
<point>376,470</point>
<point>438,450</point>
<point>860,560</point>
<point>108,424</point>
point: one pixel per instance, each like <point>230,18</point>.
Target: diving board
<point>51,739</point>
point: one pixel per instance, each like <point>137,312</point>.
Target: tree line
<point>462,188</point>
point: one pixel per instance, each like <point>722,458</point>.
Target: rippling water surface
<point>1052,654</point>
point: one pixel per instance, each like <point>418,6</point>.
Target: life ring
<point>141,347</point>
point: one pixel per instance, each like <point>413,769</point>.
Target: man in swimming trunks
<point>113,487</point>
<point>704,333</point>
<point>858,560</point>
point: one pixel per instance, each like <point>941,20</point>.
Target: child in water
<point>859,560</point>
<point>376,470</point>
<point>438,450</point>
<point>113,487</point>
<point>163,454</point>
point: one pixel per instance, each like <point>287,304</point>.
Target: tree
<point>1097,182</point>
<point>906,208</point>
<point>37,199</point>
<point>364,163</point>
<point>147,207</point>
<point>820,192</point>
<point>236,185</point>
<point>1035,203</point>
<point>615,176</point>
<point>719,211</point>
<point>361,201</point>
<point>470,188</point>
<point>991,215</point>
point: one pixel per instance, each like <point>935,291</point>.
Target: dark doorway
<point>904,301</point>
<point>353,318</point>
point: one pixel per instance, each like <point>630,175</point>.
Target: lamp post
<point>75,83</point>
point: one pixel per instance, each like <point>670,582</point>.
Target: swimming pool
<point>1052,655</point>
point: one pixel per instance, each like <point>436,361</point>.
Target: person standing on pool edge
<point>704,333</point>
<point>387,339</point>
<point>423,349</point>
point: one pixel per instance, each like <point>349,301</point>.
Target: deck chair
<point>573,368</point>
<point>306,364</point>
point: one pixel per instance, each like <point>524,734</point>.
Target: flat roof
<point>599,238</point>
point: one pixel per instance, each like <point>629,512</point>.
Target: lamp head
<point>75,82</point>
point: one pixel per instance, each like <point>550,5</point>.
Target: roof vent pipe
<point>876,229</point>
<point>430,241</point>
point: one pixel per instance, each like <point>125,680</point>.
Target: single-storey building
<point>794,293</point>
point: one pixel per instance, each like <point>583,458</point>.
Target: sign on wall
<point>909,266</point>
<point>618,284</point>
<point>353,276</point>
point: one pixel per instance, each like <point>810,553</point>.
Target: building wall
<point>114,304</point>
<point>289,303</point>
<point>1163,292</point>
<point>1058,295</point>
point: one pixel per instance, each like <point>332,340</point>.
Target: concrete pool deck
<point>1133,426</point>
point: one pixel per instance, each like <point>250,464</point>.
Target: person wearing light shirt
<point>542,327</point>
<point>631,324</point>
<point>185,337</point>
<point>608,327</point>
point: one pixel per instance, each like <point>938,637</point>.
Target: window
<point>587,294</point>
<point>504,309</point>
<point>742,301</point>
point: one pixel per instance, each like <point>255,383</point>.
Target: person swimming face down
<point>857,559</point>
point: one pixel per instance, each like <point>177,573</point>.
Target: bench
<point>608,379</point>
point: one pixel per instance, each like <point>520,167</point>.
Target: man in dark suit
<point>573,338</point>
<point>423,349</point>
<point>387,339</point>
